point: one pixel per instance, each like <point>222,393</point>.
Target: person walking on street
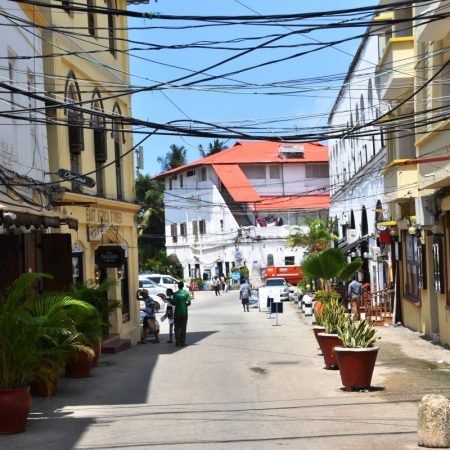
<point>150,324</point>
<point>216,285</point>
<point>244,294</point>
<point>354,295</point>
<point>170,313</point>
<point>181,300</point>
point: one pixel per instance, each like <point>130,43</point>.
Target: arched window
<point>370,94</point>
<point>270,259</point>
<point>379,212</point>
<point>363,112</point>
<point>111,29</point>
<point>100,146</point>
<point>75,124</point>
<point>364,224</point>
<point>357,115</point>
<point>117,128</point>
<point>352,220</point>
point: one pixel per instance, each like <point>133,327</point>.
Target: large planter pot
<point>327,343</point>
<point>318,329</point>
<point>15,405</point>
<point>79,365</point>
<point>356,366</point>
<point>38,387</point>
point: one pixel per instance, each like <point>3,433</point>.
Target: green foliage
<point>161,263</point>
<point>334,317</point>
<point>331,264</point>
<point>97,296</point>
<point>36,330</point>
<point>199,282</point>
<point>244,271</point>
<point>314,234</point>
<point>357,335</point>
<point>215,147</point>
<point>176,157</point>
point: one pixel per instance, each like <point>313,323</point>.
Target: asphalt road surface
<point>241,383</point>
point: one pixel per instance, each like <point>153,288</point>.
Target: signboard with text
<point>76,178</point>
<point>110,256</point>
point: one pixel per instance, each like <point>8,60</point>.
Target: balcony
<point>400,181</point>
<point>396,68</point>
<point>436,30</point>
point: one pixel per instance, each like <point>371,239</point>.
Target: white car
<point>163,280</point>
<point>152,288</point>
<point>281,284</point>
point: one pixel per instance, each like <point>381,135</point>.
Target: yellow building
<point>414,66</point>
<point>89,138</point>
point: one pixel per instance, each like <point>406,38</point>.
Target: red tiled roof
<point>293,202</point>
<point>256,152</point>
<point>236,182</point>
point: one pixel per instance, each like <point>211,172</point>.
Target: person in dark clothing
<point>244,294</point>
<point>181,301</point>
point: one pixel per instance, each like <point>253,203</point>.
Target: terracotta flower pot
<point>15,405</point>
<point>356,366</point>
<point>38,388</point>
<point>318,329</point>
<point>327,343</point>
<point>79,365</point>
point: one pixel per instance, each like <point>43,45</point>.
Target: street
<point>241,383</point>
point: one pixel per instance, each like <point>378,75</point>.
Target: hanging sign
<point>76,178</point>
<point>110,256</point>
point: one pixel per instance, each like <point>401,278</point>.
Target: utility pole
<point>139,160</point>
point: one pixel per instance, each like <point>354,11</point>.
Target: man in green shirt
<point>181,300</point>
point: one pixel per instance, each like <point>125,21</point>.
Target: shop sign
<point>76,178</point>
<point>110,256</point>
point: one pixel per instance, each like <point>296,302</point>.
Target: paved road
<point>241,383</point>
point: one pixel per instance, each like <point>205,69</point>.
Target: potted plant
<point>357,354</point>
<point>334,317</point>
<point>318,325</point>
<point>28,339</point>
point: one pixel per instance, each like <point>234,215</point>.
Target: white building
<point>357,160</point>
<point>238,207</point>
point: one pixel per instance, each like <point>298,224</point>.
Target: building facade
<point>238,207</point>
<point>86,136</point>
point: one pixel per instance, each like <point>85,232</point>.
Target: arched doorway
<point>364,223</point>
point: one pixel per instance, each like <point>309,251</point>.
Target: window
<point>370,94</point>
<point>274,172</point>
<point>173,232</point>
<point>412,267</point>
<point>12,78</point>
<point>195,229</point>
<point>438,269</point>
<point>316,170</point>
<point>270,259</point>
<point>170,184</point>
<point>116,131</point>
<point>202,226</point>
<point>111,30</point>
<point>221,224</point>
<point>190,173</point>
<point>181,181</point>
<point>289,260</point>
<point>90,17</point>
<point>203,174</point>
<point>31,101</point>
<point>254,171</point>
<point>100,147</point>
<point>183,229</point>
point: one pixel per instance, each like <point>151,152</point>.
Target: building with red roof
<point>239,206</point>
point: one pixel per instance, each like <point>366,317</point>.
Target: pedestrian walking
<point>354,295</point>
<point>191,287</point>
<point>170,313</point>
<point>181,300</point>
<point>149,325</point>
<point>216,285</point>
<point>244,294</point>
<point>222,282</point>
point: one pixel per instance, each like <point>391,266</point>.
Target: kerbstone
<point>433,422</point>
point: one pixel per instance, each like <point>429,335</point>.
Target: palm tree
<point>215,147</point>
<point>314,234</point>
<point>173,159</point>
<point>328,265</point>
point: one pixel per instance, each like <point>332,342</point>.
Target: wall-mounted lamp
<point>412,230</point>
<point>366,255</point>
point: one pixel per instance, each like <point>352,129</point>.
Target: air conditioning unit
<point>425,211</point>
<point>351,236</point>
<point>291,151</point>
<point>375,252</point>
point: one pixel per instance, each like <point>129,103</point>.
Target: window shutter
<point>101,154</point>
<point>11,249</point>
<point>76,137</point>
<point>57,261</point>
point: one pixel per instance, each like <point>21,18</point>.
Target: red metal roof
<point>257,152</point>
<point>236,183</point>
<point>293,202</point>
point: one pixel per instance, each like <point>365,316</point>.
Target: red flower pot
<point>327,343</point>
<point>79,365</point>
<point>15,405</point>
<point>356,366</point>
<point>318,329</point>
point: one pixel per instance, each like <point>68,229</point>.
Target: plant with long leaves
<point>334,317</point>
<point>357,335</point>
<point>328,266</point>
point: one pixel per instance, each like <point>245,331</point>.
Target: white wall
<point>23,145</point>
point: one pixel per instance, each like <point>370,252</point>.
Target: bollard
<point>433,422</point>
<point>308,307</point>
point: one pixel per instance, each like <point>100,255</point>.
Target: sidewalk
<point>240,383</point>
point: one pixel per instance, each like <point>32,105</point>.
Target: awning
<point>16,215</point>
<point>347,247</point>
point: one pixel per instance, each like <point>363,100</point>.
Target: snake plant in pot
<point>333,318</point>
<point>357,354</point>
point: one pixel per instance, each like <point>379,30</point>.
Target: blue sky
<point>199,104</point>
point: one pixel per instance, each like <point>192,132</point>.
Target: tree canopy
<point>174,158</point>
<point>213,147</point>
